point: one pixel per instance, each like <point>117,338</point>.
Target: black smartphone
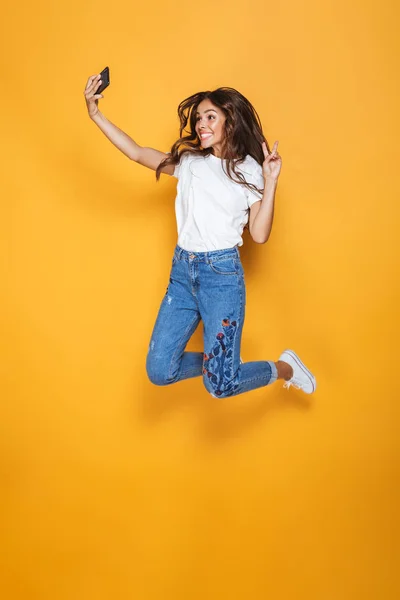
<point>105,80</point>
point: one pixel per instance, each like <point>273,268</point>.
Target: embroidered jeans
<point>207,286</point>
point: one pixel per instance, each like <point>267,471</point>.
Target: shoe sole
<point>304,368</point>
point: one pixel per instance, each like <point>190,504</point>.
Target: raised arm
<point>148,157</point>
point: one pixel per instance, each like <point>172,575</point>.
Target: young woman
<point>227,178</point>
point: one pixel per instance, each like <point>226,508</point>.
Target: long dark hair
<point>242,129</point>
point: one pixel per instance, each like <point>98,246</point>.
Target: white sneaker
<point>302,378</point>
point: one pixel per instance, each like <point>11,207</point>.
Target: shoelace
<point>294,382</point>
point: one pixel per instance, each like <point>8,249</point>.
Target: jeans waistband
<point>210,256</point>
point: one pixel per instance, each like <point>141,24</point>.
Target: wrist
<point>270,180</point>
<point>97,117</point>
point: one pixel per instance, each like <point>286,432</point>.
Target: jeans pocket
<point>225,266</point>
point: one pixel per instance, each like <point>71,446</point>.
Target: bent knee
<point>157,373</point>
<point>157,378</point>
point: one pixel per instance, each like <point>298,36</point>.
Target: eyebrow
<point>210,109</point>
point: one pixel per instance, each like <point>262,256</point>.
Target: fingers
<point>274,152</point>
<point>90,80</point>
<point>92,84</point>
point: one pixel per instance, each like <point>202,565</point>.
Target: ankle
<point>285,371</point>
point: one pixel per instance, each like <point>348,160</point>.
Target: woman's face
<point>210,125</point>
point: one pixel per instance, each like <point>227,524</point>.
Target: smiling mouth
<point>205,136</point>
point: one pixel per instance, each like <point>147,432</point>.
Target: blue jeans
<point>208,286</point>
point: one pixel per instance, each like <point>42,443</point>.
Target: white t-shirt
<point>211,209</point>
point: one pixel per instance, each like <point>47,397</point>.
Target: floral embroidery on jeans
<point>218,364</point>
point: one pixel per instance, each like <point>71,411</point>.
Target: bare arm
<point>148,157</point>
<point>262,213</point>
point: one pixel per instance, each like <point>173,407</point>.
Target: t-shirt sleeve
<point>257,178</point>
<point>180,166</point>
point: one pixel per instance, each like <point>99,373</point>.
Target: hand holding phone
<point>93,90</point>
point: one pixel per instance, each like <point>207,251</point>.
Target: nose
<point>201,124</point>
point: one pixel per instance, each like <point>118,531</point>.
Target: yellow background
<point>112,488</point>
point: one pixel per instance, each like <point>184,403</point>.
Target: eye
<point>213,116</point>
